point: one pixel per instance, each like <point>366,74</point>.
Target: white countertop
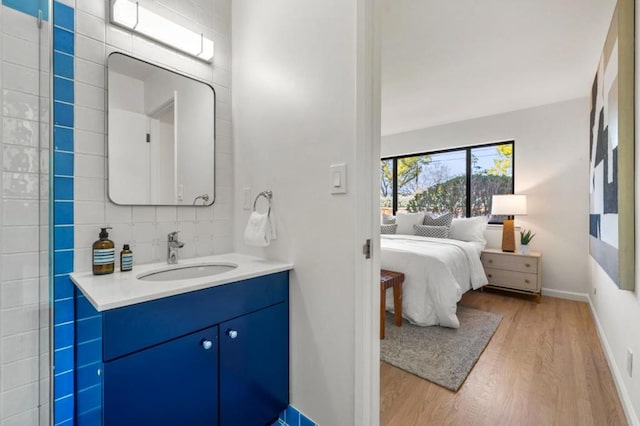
<point>124,288</point>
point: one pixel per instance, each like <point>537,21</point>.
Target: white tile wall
<point>205,230</point>
<point>24,91</point>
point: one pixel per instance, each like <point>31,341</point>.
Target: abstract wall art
<point>611,171</point>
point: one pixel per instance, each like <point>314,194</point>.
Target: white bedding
<point>437,272</point>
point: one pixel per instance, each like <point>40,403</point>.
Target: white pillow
<point>406,221</point>
<point>388,218</point>
<point>469,229</point>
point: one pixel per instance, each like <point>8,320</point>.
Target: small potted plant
<point>525,238</point>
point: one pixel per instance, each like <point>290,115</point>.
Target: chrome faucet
<point>172,247</point>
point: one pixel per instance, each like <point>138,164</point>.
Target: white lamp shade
<point>509,205</point>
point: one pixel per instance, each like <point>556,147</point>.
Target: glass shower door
<point>24,213</point>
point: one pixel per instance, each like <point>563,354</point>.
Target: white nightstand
<point>520,273</point>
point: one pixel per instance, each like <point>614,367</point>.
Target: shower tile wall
<point>204,230</point>
<point>24,307</point>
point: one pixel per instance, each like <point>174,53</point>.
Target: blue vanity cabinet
<point>254,366</point>
<point>175,383</point>
<point>218,356</point>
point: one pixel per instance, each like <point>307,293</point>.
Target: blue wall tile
<point>89,328</point>
<point>63,90</point>
<point>90,418</point>
<point>30,7</point>
<point>88,353</point>
<point>63,237</point>
<point>62,212</point>
<point>63,65</point>
<point>63,16</point>
<point>84,308</point>
<point>63,262</point>
<point>87,376</point>
<point>62,114</point>
<point>62,311</point>
<point>63,138</point>
<point>62,287</point>
<point>62,189</point>
<point>304,421</point>
<point>89,398</point>
<point>292,416</point>
<point>63,41</point>
<point>62,164</point>
<point>64,385</point>
<point>63,409</point>
<point>63,335</point>
<point>63,360</point>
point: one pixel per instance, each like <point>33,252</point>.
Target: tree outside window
<point>462,181</point>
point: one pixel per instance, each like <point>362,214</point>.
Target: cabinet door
<point>254,367</point>
<point>174,383</point>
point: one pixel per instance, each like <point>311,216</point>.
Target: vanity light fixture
<point>131,15</point>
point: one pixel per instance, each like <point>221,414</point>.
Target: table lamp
<point>508,205</point>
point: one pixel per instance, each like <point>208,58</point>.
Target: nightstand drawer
<point>519,263</point>
<point>513,279</point>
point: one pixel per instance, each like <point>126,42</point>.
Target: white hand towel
<point>258,230</point>
<point>272,224</point>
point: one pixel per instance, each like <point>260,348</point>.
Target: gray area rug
<point>444,356</point>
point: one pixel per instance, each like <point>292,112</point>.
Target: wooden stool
<point>391,279</point>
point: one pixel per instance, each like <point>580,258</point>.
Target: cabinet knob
<point>206,344</point>
<point>490,260</point>
<point>528,265</point>
<point>489,275</point>
<point>232,333</point>
<point>526,281</point>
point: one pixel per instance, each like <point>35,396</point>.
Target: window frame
<point>468,170</point>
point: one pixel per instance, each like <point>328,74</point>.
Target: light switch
<point>338,178</point>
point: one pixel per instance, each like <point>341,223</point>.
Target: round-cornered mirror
<point>161,135</point>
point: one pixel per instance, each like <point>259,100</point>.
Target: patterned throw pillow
<point>389,228</point>
<point>442,220</point>
<point>431,231</point>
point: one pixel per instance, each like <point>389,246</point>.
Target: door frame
<point>367,176</point>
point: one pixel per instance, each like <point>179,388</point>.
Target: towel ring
<point>266,194</point>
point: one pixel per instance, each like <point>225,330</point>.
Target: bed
<point>438,271</point>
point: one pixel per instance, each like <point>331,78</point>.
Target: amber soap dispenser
<point>103,254</point>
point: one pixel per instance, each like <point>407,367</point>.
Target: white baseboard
<point>569,295</point>
<point>627,406</point>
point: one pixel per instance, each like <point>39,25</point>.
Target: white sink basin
<point>185,272</point>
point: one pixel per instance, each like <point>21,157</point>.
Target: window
<point>459,180</point>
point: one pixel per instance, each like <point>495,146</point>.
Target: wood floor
<point>544,366</point>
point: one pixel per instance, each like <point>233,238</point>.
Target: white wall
<point>617,312</point>
<point>205,230</point>
<point>551,168</point>
<point>294,114</point>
